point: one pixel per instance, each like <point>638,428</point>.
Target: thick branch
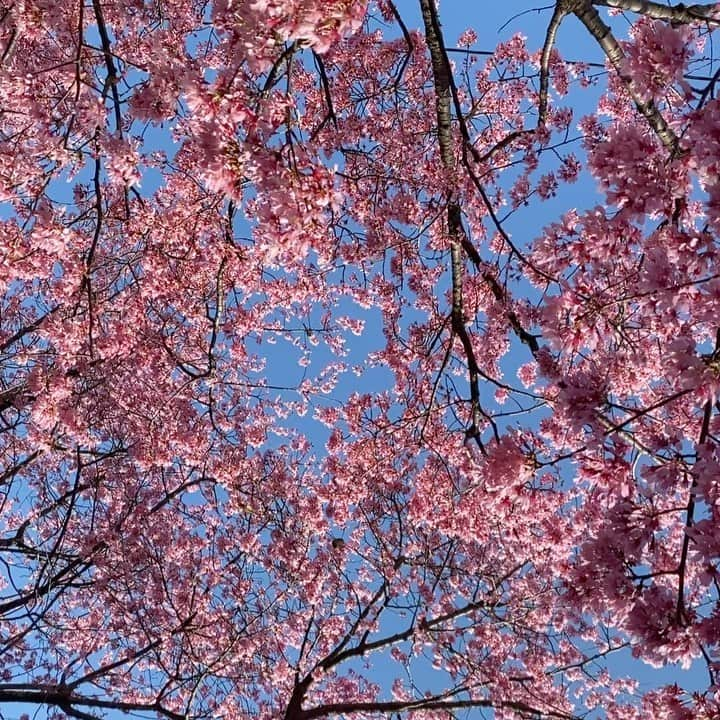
<point>443,104</point>
<point>111,79</point>
<point>676,14</point>
<point>64,698</point>
<point>431,703</point>
<point>559,15</point>
<point>590,18</point>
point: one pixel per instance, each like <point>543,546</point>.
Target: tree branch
<point>64,698</point>
<point>590,18</point>
<point>432,703</point>
<point>676,14</point>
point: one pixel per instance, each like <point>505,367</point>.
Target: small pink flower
<point>467,38</point>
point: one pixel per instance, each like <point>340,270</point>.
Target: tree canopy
<point>312,403</point>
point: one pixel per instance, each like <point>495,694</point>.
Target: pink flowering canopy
<point>353,369</point>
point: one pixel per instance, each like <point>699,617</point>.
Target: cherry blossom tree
<point>296,423</point>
